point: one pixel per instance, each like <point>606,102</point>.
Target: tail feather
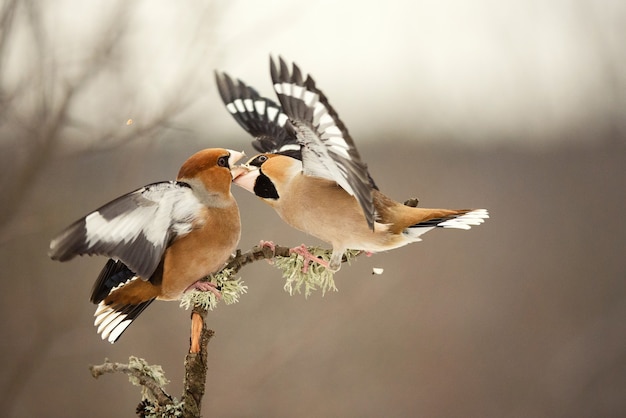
<point>113,274</point>
<point>462,219</point>
<point>466,220</point>
<point>112,320</point>
<point>119,303</point>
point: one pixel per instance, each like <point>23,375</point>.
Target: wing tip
<point>69,243</point>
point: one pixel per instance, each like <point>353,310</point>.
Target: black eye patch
<point>264,188</point>
<point>258,161</point>
<point>222,161</point>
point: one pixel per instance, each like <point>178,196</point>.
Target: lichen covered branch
<point>140,373</point>
<point>156,402</point>
<point>196,365</point>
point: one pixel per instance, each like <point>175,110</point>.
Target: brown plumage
<point>162,239</point>
<point>312,174</point>
<point>324,210</point>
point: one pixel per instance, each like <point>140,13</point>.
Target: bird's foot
<point>205,286</point>
<point>303,251</point>
<point>413,202</point>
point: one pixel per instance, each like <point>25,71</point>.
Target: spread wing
<point>135,228</point>
<point>259,116</point>
<point>328,151</point>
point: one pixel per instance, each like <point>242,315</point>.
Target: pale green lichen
<point>230,289</point>
<point>172,410</point>
<point>155,372</point>
<point>312,277</point>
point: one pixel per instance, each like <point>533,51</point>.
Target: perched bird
<point>326,189</point>
<point>161,238</point>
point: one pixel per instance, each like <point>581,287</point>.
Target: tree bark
<point>196,365</point>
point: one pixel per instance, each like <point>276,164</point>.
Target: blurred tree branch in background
<point>46,88</point>
<point>42,92</point>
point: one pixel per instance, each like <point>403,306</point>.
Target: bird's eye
<point>258,161</point>
<point>222,161</point>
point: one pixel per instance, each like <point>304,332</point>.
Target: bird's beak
<point>238,171</point>
<point>234,157</point>
<point>246,176</point>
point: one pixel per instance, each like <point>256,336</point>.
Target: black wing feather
<point>127,228</point>
<point>272,132</point>
<point>318,146</point>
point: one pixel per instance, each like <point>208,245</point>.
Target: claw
<point>205,286</point>
<point>303,251</point>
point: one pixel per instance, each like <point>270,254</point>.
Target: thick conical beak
<point>234,157</point>
<point>238,171</point>
<point>246,178</point>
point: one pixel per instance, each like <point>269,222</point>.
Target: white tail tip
<point>467,220</point>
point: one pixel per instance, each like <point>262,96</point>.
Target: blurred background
<point>517,106</point>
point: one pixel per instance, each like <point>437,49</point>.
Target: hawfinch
<point>161,238</point>
<point>326,191</point>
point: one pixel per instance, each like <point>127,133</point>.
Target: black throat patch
<point>264,188</point>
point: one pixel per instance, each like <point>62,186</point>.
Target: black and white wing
<point>135,228</point>
<point>259,116</point>
<point>328,151</point>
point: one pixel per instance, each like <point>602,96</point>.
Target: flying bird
<point>310,171</point>
<point>161,239</point>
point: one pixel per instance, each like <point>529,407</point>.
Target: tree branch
<point>264,252</point>
<point>139,370</point>
<point>196,365</point>
<point>157,402</point>
<point>259,252</point>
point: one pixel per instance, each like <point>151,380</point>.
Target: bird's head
<point>212,168</point>
<point>266,175</point>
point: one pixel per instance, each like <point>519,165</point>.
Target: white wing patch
<point>168,205</point>
<point>239,105</point>
<point>333,131</point>
<point>326,138</point>
<point>289,147</point>
<point>272,112</point>
<point>259,106</point>
<point>282,119</point>
<point>310,98</point>
<point>249,105</point>
<point>316,161</point>
<point>259,116</point>
<point>122,228</point>
<point>134,228</point>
